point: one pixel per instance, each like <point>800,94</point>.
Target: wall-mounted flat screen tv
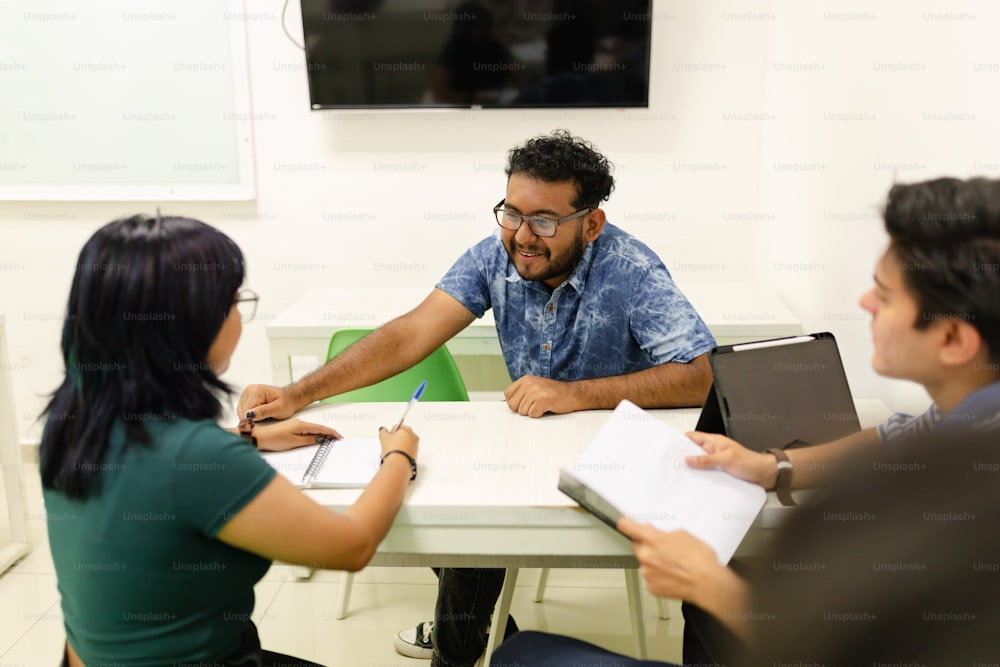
<point>480,53</point>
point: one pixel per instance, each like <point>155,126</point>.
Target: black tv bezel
<point>444,107</point>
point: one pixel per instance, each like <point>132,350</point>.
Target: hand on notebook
<point>291,433</point>
<point>727,454</point>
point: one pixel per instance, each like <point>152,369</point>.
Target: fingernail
<point>320,439</point>
<point>250,414</point>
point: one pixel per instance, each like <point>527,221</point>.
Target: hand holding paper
<point>636,467</point>
<point>672,563</point>
<point>678,565</point>
<point>727,454</point>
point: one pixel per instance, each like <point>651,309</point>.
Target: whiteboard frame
<point>244,190</point>
<point>12,468</point>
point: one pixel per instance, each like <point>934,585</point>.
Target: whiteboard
<point>124,100</point>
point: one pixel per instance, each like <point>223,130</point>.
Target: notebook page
<point>291,464</point>
<point>352,462</point>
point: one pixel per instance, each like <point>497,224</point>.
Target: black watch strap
<point>783,483</point>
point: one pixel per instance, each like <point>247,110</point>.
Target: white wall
<point>866,94</point>
<point>735,172</point>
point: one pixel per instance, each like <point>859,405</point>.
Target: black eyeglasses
<point>246,304</point>
<point>539,225</point>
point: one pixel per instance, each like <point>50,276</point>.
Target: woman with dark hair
<point>160,521</point>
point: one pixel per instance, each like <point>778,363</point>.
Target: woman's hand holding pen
<point>405,447</point>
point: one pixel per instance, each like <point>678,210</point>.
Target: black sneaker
<point>416,642</point>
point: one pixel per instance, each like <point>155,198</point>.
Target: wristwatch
<point>783,484</point>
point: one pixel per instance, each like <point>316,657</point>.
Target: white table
<point>10,463</point>
<point>487,495</point>
<point>299,336</point>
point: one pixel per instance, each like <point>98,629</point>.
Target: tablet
<point>779,393</point>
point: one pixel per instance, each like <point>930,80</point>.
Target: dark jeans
<point>707,642</point>
<point>539,649</point>
<point>465,601</point>
<point>249,654</point>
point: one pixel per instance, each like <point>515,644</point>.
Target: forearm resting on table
<point>670,385</point>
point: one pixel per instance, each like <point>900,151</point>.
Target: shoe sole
<point>411,651</point>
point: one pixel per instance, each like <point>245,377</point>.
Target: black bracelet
<point>245,429</point>
<point>413,462</point>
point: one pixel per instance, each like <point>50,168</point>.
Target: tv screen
<point>482,53</point>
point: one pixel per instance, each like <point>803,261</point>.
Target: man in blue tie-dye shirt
<point>587,315</point>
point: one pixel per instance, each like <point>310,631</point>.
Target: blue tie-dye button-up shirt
<point>618,312</point>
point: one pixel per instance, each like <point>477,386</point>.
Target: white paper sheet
<point>637,464</point>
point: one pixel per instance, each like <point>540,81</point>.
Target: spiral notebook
<point>348,463</point>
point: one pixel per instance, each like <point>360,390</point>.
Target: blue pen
<point>413,399</point>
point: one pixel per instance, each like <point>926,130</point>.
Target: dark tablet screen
<point>783,393</point>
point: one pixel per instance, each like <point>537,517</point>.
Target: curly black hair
<point>561,157</point>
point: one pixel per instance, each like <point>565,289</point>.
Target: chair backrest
<point>444,382</point>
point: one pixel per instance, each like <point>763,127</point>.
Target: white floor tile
<point>300,621</point>
<point>38,560</point>
<point>264,592</point>
<point>42,645</point>
<point>28,600</point>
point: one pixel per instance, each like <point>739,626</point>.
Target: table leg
<point>500,614</point>
<point>635,611</point>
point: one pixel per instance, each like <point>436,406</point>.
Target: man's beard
<point>557,266</point>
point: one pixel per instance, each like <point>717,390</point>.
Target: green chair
<point>444,383</point>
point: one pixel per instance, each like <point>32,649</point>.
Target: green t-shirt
<point>142,578</point>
